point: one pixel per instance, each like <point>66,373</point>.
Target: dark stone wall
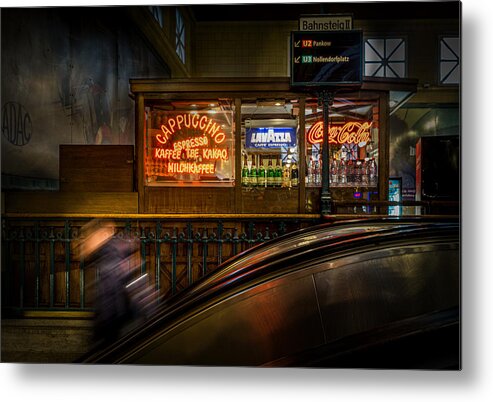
<point>65,80</point>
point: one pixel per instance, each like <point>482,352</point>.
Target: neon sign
<point>191,167</point>
<point>206,153</point>
<point>191,121</point>
<point>189,147</point>
<point>346,133</point>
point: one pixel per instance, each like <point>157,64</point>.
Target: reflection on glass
<point>189,143</point>
<point>270,143</point>
<point>353,142</point>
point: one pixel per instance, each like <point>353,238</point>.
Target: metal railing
<point>43,269</point>
<point>374,207</point>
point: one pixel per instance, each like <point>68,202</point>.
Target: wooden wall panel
<point>201,200</point>
<point>269,200</point>
<point>71,202</point>
<point>312,203</point>
<point>96,168</point>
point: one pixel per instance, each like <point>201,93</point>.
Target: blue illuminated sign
<point>270,137</point>
<point>395,194</point>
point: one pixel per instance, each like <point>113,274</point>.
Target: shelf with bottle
<point>344,172</point>
<point>270,173</point>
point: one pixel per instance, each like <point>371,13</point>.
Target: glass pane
<point>158,14</point>
<point>397,50</point>
<point>180,36</point>
<point>389,73</point>
<point>454,76</point>
<point>398,69</point>
<point>449,69</point>
<point>379,72</point>
<point>180,50</point>
<point>370,54</point>
<point>189,143</point>
<point>446,53</point>
<point>453,44</point>
<point>179,22</point>
<point>371,68</point>
<point>269,136</point>
<point>391,45</point>
<point>377,45</point>
<point>446,68</point>
<point>353,144</point>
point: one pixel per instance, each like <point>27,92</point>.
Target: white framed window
<point>385,57</point>
<point>450,60</point>
<point>157,13</point>
<point>180,36</point>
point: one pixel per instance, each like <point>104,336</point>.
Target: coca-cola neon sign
<point>341,133</point>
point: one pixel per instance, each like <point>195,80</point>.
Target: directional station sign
<point>326,59</point>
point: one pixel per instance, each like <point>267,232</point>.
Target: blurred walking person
<point>110,256</point>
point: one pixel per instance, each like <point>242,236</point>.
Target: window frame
<point>170,134</point>
<point>384,61</point>
<point>158,14</point>
<point>440,60</point>
<point>180,36</point>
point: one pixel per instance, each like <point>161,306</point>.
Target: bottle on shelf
<point>334,167</point>
<point>350,172</point>
<point>343,173</point>
<point>295,178</point>
<point>372,173</point>
<point>309,173</point>
<point>278,174</point>
<point>365,172</point>
<point>270,174</point>
<point>262,174</point>
<point>358,172</point>
<point>253,174</point>
<point>286,176</point>
<point>244,173</point>
<point>317,173</point>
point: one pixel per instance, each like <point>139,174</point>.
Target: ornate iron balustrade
<point>42,267</point>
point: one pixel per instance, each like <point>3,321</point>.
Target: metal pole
<point>327,99</point>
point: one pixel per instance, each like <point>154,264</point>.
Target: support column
<point>326,98</point>
<point>140,150</point>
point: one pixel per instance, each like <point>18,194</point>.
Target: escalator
<point>366,293</point>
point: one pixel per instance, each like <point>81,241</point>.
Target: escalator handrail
<point>213,291</point>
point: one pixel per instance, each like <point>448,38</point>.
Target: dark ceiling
<point>360,10</point>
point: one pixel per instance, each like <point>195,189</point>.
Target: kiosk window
<point>189,143</point>
<point>353,143</point>
<point>180,36</point>
<point>449,60</point>
<point>270,143</point>
<point>385,57</point>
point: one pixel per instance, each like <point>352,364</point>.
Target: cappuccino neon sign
<point>189,144</point>
<point>191,121</point>
<point>346,133</point>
